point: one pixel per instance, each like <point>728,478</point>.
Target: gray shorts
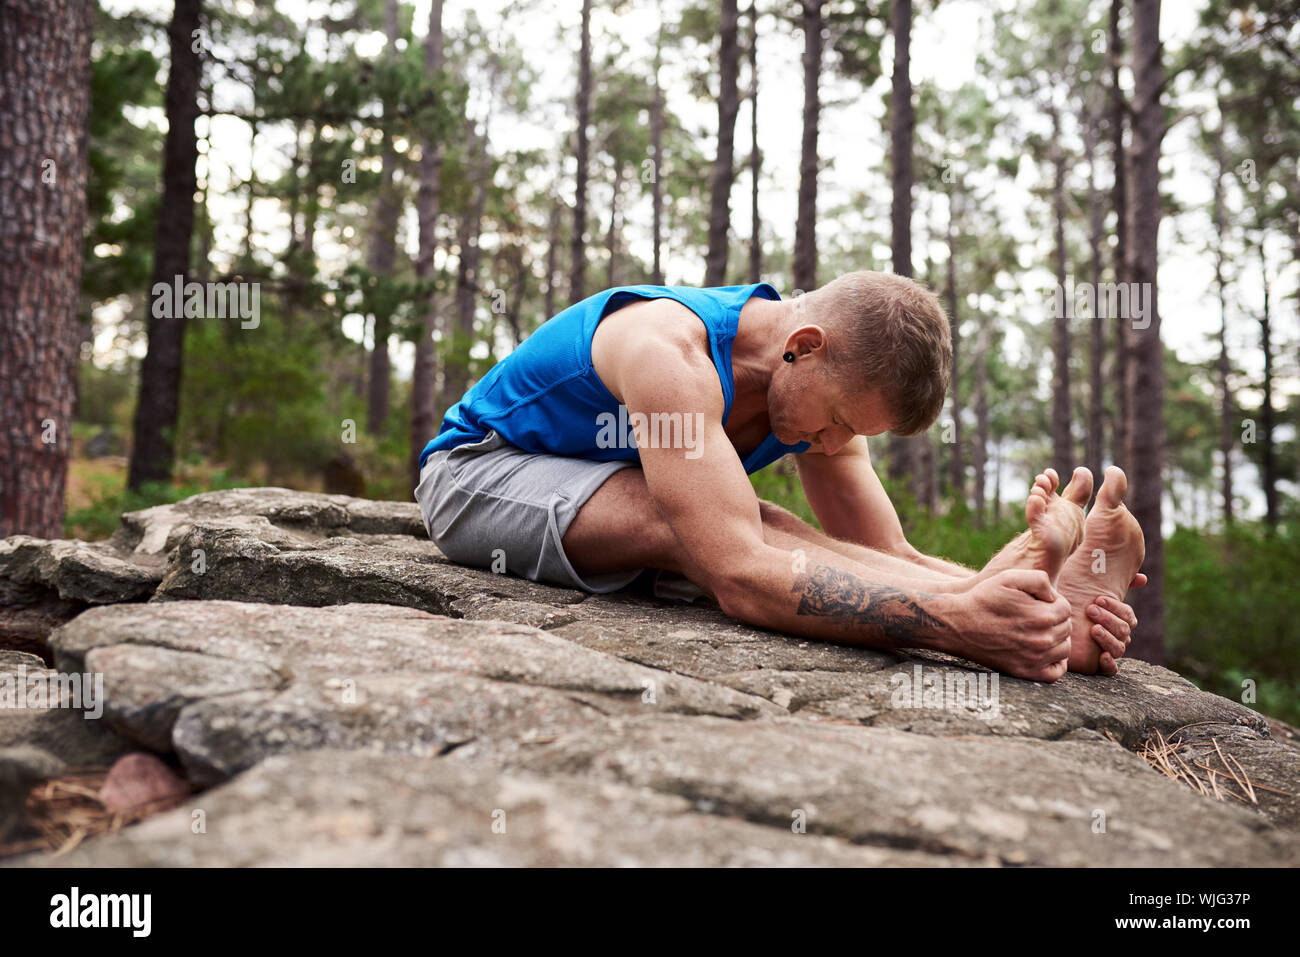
<point>488,502</point>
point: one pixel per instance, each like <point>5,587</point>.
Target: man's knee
<point>775,516</point>
<point>620,517</point>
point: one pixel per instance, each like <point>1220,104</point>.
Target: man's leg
<point>620,528</point>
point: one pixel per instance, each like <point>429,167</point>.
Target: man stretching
<point>619,435</point>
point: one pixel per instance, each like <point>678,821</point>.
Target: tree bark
<point>957,475</point>
<point>611,237</point>
<point>157,410</point>
<point>1147,371</point>
<point>383,254</point>
<point>578,269</point>
<point>467,274</point>
<point>724,167</point>
<point>427,201</point>
<point>552,253</point>
<point>1062,446</point>
<point>805,240</point>
<point>1225,392</point>
<point>1119,200</point>
<point>903,452</point>
<point>981,419</point>
<point>44,112</point>
<point>1266,408</point>
<point>1096,353</point>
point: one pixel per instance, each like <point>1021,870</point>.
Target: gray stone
<point>351,809</point>
<point>1018,800</point>
<point>1141,699</point>
<point>264,563</point>
<point>699,640</point>
<point>48,717</point>
<point>90,572</point>
<point>155,531</point>
<point>226,683</point>
<point>1216,752</point>
<point>349,696</point>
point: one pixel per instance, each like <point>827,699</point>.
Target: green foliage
<point>256,396</point>
<point>1232,612</point>
<point>104,515</point>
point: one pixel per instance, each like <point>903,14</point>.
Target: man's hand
<point>1017,623</point>
<point>1117,622</point>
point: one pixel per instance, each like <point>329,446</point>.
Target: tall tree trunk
<point>1225,391</point>
<point>578,269</point>
<point>805,238</point>
<point>1062,446</point>
<point>158,407</point>
<point>427,202</point>
<point>724,167</point>
<point>1266,408</point>
<point>957,474</point>
<point>902,121</point>
<point>383,253</point>
<point>1147,370</point>
<point>552,253</point>
<point>981,418</point>
<point>44,115</point>
<point>755,158</point>
<point>657,152</point>
<point>467,274</point>
<point>611,237</point>
<point>1119,199</point>
<point>1096,353</point>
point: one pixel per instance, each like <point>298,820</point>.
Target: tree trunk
<point>578,269</point>
<point>44,113</point>
<point>981,419</point>
<point>611,237</point>
<point>1266,408</point>
<point>1096,353</point>
<point>1062,446</point>
<point>1147,371</point>
<point>957,474</point>
<point>467,274</point>
<point>1225,392</point>
<point>552,253</point>
<point>158,408</point>
<point>755,158</point>
<point>1119,199</point>
<point>427,202</point>
<point>383,253</point>
<point>903,457</point>
<point>715,271</point>
<point>805,239</point>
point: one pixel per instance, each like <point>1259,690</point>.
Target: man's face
<point>807,405</point>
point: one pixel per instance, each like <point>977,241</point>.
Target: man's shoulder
<point>659,325</point>
<point>656,340</point>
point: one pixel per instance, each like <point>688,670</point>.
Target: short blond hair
<point>891,334</point>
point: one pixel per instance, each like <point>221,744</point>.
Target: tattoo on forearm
<point>889,612</point>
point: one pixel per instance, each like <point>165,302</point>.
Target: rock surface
<point>341,694</point>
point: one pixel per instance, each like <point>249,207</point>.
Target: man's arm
<point>1016,623</point>
<point>846,496</point>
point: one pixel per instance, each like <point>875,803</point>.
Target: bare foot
<point>1098,575</point>
<point>1056,526</point>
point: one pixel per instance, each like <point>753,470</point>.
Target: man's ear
<point>806,340</point>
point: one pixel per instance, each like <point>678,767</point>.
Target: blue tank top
<point>545,396</point>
